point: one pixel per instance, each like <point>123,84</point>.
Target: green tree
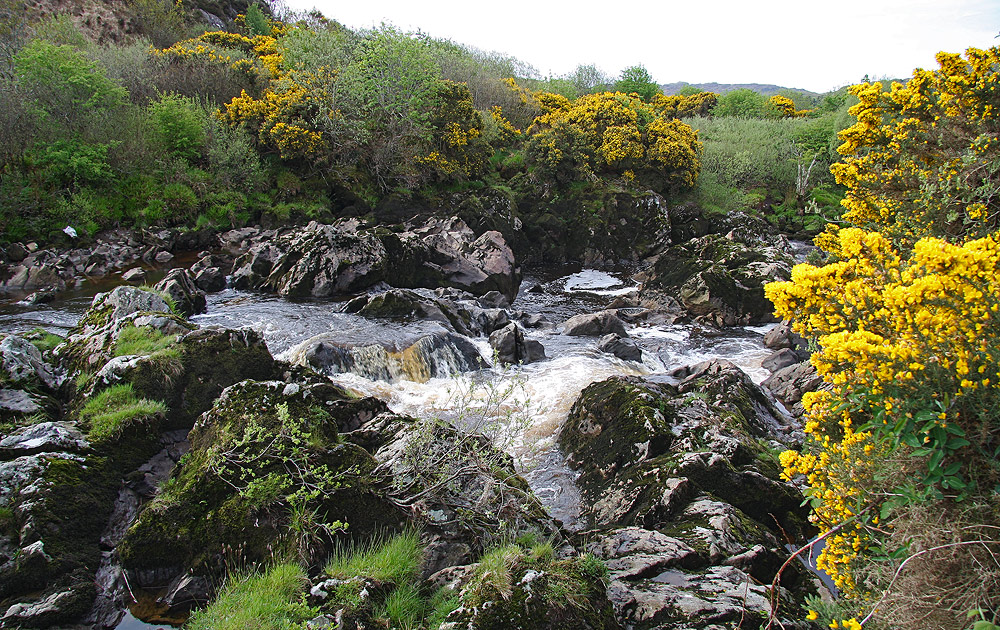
<point>745,103</point>
<point>63,84</point>
<point>588,79</point>
<point>637,80</point>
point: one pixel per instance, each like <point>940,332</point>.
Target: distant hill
<point>722,88</point>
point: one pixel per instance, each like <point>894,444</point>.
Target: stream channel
<point>546,389</point>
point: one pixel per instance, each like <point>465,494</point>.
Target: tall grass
<point>142,340</point>
<point>396,560</point>
<point>263,601</point>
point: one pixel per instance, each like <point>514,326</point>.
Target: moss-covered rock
<point>516,588</point>
<point>719,278</point>
<point>267,474</point>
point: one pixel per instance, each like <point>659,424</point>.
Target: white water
<point>547,389</point>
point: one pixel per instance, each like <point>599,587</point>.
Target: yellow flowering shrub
<point>679,106</point>
<point>909,345</point>
<point>613,133</point>
<point>786,107</point>
<point>906,320</point>
<point>921,156</point>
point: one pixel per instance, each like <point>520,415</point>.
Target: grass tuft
<point>396,560</point>
<point>134,340</point>
<point>264,601</point>
<point>115,408</point>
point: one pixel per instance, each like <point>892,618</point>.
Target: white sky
<point>809,44</point>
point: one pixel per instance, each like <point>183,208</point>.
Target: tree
<point>636,80</point>
<point>588,79</point>
<point>745,103</point>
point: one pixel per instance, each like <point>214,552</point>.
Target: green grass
<point>396,560</point>
<point>263,601</point>
<point>405,607</point>
<point>115,408</point>
<point>44,340</point>
<point>143,340</point>
<point>442,603</point>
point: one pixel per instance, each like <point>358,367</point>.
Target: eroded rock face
<point>512,348</point>
<point>789,383</point>
<point>683,488</point>
<point>328,260</point>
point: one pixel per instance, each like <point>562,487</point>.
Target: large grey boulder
<point>594,325</point>
<point>188,298</point>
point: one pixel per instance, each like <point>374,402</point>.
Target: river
<point>542,392</point>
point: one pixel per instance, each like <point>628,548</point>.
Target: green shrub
<point>179,125</point>
<point>264,601</point>
<point>180,201</point>
<point>116,408</point>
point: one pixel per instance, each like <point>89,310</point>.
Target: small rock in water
<point>135,274</point>
<point>162,257</point>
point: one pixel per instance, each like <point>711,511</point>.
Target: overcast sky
<point>807,44</point>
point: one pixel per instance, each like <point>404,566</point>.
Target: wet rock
<point>645,449</point>
<point>189,299</point>
<point>512,348</point>
<point>328,260</point>
<point>44,437</point>
<point>163,257</point>
<point>210,279</point>
<point>16,403</point>
<point>186,592</point>
<point>209,510</point>
<point>42,296</point>
<point>23,364</point>
<point>780,359</point>
<point>625,349</point>
<point>782,336</point>
<point>16,252</point>
<point>416,358</point>
<point>594,325</point>
<point>789,383</point>
<point>719,278</point>
<point>682,485</point>
<point>43,613</point>
<point>135,274</point>
<point>119,303</point>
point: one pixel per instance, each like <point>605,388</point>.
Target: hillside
<point>724,88</point>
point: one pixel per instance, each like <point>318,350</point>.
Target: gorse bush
<point>905,441</point>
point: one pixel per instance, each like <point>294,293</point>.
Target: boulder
<point>512,348</point>
<point>625,349</point>
<point>188,299</point>
<point>719,278</point>
<point>210,279</point>
<point>417,357</point>
<point>135,274</point>
<point>789,383</point>
<point>233,492</point>
<point>330,260</point>
<point>781,359</point>
<point>782,336</point>
<point>594,325</point>
<point>683,488</point>
<point>23,365</point>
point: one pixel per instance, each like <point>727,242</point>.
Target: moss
<point>255,456</point>
<point>513,588</point>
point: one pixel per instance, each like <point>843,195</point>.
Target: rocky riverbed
<point>625,439</point>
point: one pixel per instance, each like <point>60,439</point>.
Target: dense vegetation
<point>901,463</point>
<point>282,121</point>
